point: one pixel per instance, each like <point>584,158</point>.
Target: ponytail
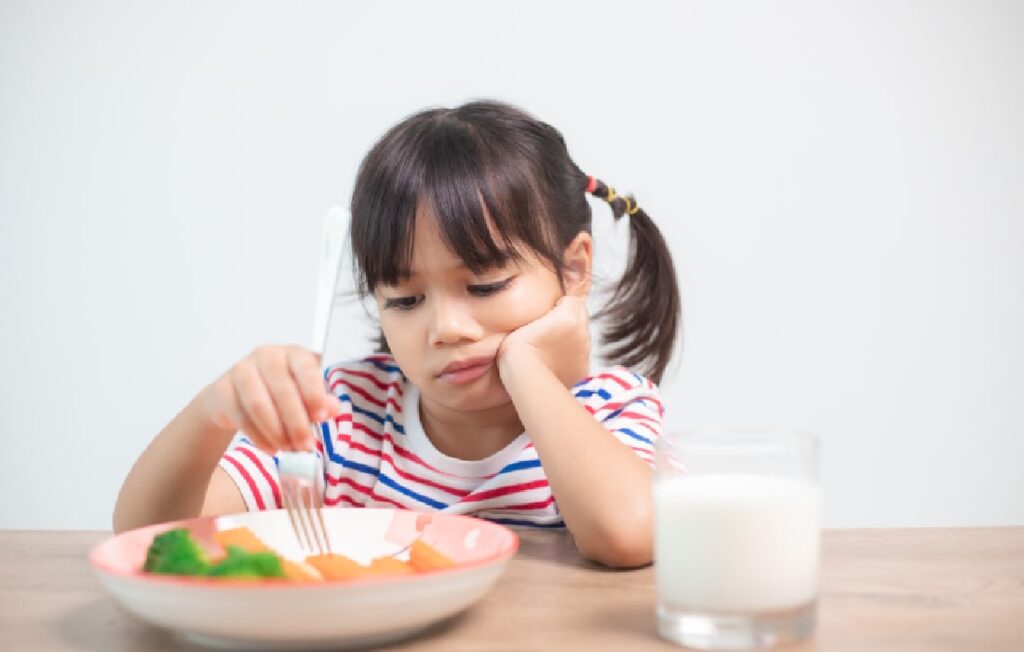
<point>644,310</point>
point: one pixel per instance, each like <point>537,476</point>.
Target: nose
<point>453,322</point>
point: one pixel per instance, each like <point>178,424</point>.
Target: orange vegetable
<point>337,567</point>
<point>242,537</point>
<point>390,566</point>
<point>424,557</point>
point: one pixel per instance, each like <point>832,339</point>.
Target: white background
<point>842,187</point>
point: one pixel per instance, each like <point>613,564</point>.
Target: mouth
<point>463,371</point>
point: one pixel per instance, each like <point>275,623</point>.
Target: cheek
<point>401,336</point>
<point>522,304</point>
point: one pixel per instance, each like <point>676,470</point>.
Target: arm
<point>272,395</point>
<point>603,489</point>
<point>171,478</point>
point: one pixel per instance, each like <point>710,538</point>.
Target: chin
<point>485,393</point>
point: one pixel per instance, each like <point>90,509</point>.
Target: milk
<point>734,542</point>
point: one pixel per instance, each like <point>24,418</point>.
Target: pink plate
<point>273,614</point>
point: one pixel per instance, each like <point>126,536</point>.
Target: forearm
<point>170,478</point>
<point>603,489</point>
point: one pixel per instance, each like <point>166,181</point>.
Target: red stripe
<point>342,497</point>
<point>364,428</point>
<point>266,476</point>
<point>365,394</point>
<point>382,499</point>
<point>333,481</point>
<point>652,429</point>
<point>397,386</point>
<point>354,445</point>
<point>540,504</point>
<point>504,491</point>
<point>637,415</point>
<point>248,480</point>
<point>623,384</point>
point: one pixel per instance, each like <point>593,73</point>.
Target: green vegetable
<point>175,552</point>
<point>242,564</point>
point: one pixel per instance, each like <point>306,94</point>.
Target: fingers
<point>320,404</point>
<point>293,418</point>
<point>273,395</point>
<point>257,405</point>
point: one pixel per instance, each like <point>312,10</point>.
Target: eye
<point>488,289</point>
<point>401,303</point>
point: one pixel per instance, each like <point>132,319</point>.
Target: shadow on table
<point>102,626</point>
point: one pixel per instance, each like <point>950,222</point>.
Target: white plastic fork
<point>301,472</point>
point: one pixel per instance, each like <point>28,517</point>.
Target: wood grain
<point>900,590</point>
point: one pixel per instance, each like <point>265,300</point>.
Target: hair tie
<point>611,195</point>
<point>634,210</point>
<point>591,185</point>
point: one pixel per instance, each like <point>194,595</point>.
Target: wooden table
<point>936,589</point>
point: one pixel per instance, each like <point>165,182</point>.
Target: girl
<point>471,230</point>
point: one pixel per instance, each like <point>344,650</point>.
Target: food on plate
<point>246,556</point>
<point>176,552</point>
<point>424,557</point>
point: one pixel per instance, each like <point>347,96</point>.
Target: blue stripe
<point>381,478</point>
<point>518,466</point>
<point>338,459</point>
<point>388,418</point>
<point>583,393</point>
<point>436,504</point>
<point>513,521</point>
<point>384,366</point>
<point>614,414</point>
<point>632,434</point>
<point>383,420</point>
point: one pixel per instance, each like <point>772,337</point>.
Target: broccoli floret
<point>243,564</point>
<point>175,552</point>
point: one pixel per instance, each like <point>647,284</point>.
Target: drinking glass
<point>737,521</point>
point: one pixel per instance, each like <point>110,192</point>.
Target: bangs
<point>474,181</point>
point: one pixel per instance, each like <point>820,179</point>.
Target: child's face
<point>444,314</point>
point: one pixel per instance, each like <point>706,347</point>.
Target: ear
<point>578,261</point>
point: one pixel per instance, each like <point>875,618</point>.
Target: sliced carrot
<point>242,537</point>
<point>298,571</point>
<point>424,557</point>
<point>337,567</point>
<point>390,566</point>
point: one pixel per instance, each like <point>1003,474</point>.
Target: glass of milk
<point>737,517</point>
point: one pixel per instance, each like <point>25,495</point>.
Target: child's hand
<point>272,395</point>
<point>560,339</point>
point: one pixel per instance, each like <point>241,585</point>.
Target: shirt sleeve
<point>254,473</point>
<point>628,405</point>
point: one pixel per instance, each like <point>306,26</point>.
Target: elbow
<point>621,545</point>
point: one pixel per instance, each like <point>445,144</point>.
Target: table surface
<point>899,589</point>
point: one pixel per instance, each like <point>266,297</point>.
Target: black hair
<point>487,163</point>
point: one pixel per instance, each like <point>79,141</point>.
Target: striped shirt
<point>376,453</point>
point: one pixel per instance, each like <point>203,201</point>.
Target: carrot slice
<point>242,537</point>
<point>424,557</point>
<point>298,571</point>
<point>337,567</point>
<point>390,566</point>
